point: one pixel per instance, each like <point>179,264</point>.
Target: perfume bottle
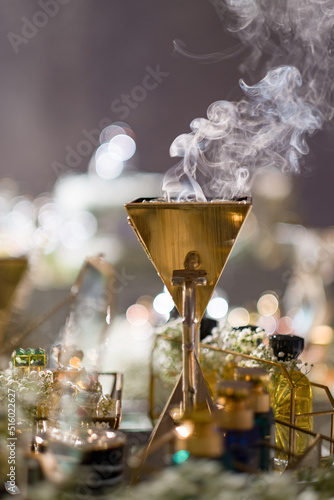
<point>263,414</point>
<point>285,348</point>
<point>197,436</point>
<point>235,418</point>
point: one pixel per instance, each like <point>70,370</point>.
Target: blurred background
<point>92,95</point>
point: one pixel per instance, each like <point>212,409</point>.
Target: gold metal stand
<point>188,278</point>
<point>189,244</point>
<point>191,392</point>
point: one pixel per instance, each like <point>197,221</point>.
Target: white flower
<point>33,375</point>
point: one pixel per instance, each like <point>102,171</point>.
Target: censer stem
<point>189,388</point>
<point>189,278</point>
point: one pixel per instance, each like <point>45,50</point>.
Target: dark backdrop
<point>62,77</point>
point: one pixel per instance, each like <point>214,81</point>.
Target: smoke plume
<point>291,42</point>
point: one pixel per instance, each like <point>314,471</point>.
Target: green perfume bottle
<point>287,348</point>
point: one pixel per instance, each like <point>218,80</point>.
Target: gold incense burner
<point>169,231</point>
<point>189,244</point>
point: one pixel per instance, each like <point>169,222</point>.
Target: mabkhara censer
<point>189,244</point>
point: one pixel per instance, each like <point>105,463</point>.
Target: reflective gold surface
<point>169,231</point>
<point>11,273</point>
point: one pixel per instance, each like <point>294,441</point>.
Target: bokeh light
<point>109,132</point>
<point>267,305</point>
<point>285,325</point>
<point>239,316</point>
<point>163,303</point>
<point>108,162</point>
<point>217,308</point>
<point>158,319</point>
<point>122,146</point>
<point>267,323</point>
<point>184,430</point>
<point>146,301</point>
<point>117,146</point>
<point>270,177</point>
<point>114,129</point>
<point>321,334</point>
<point>137,315</point>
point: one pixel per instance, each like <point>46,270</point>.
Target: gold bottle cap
<point>259,378</point>
<point>235,411</point>
<point>234,389</point>
<point>198,434</point>
<point>260,401</point>
<point>256,375</point>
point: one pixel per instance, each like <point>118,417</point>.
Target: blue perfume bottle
<point>263,414</point>
<point>235,418</point>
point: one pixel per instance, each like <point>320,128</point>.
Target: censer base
<point>162,435</point>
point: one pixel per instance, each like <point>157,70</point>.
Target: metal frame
<point>293,416</point>
<point>293,460</point>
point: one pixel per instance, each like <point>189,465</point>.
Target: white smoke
<point>224,152</point>
<point>268,127</point>
<point>297,33</point>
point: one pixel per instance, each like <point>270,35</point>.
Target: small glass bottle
<point>286,348</point>
<point>197,436</point>
<point>263,414</point>
<point>235,418</point>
